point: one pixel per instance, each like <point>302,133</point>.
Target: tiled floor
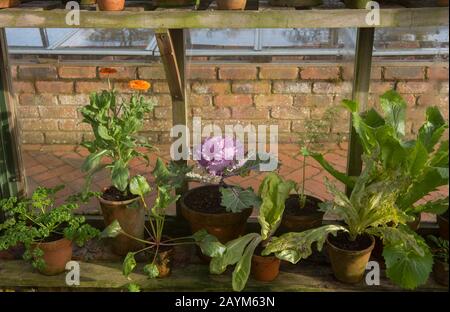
<point>56,164</point>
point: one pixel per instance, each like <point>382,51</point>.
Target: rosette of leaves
<point>422,163</point>
<point>116,141</point>
<point>371,209</point>
<point>36,219</point>
<point>439,247</point>
<point>273,192</point>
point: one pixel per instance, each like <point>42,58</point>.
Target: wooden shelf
<point>258,15</point>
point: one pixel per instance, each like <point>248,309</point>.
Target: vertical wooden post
<point>361,83</point>
<point>10,164</point>
<point>171,44</point>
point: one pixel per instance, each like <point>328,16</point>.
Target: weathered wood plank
<point>182,18</point>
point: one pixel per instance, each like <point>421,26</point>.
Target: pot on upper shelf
<point>296,219</point>
<point>130,214</point>
<point>202,209</point>
<point>349,259</point>
<point>56,254</point>
<point>8,3</point>
<point>111,5</point>
<point>295,3</point>
<point>231,4</point>
<point>442,221</point>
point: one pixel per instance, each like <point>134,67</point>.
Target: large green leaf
<point>417,159</point>
<point>394,108</point>
<point>438,207</point>
<point>236,199</point>
<point>120,175</point>
<point>433,128</point>
<point>209,244</point>
<point>404,266</point>
<point>242,270</point>
<point>93,160</point>
<point>111,230</point>
<point>293,247</point>
<point>129,263</point>
<point>232,254</point>
<point>103,132</point>
<point>139,186</point>
<point>273,191</point>
<point>342,177</point>
<point>164,199</point>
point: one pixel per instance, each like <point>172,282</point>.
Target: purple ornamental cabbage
<point>218,153</point>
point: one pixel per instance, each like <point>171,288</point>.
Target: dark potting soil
<point>205,200</point>
<point>293,206</point>
<point>113,194</point>
<point>52,238</point>
<point>342,241</point>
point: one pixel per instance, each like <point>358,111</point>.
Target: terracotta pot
<point>164,262</point>
<point>265,269</point>
<point>442,3</point>
<point>8,3</point>
<point>173,3</point>
<point>295,3</point>
<point>310,218</point>
<point>56,255</point>
<point>225,226</point>
<point>131,216</point>
<point>443,226</point>
<point>111,5</point>
<point>231,4</point>
<point>349,266</point>
<point>440,271</point>
<point>356,4</point>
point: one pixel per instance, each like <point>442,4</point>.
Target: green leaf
<point>139,186</point>
<point>129,263</point>
<point>209,244</point>
<point>352,106</point>
<point>433,128</point>
<point>417,159</point>
<point>404,266</point>
<point>236,199</point>
<point>342,177</point>
<point>161,173</point>
<point>151,270</point>
<point>93,160</point>
<point>273,191</point>
<point>120,175</point>
<point>233,252</point>
<point>111,230</point>
<point>132,287</point>
<point>163,200</point>
<point>242,270</point>
<point>293,247</point>
<point>103,132</point>
<point>394,108</point>
<point>438,207</point>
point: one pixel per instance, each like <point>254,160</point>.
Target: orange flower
<point>108,71</point>
<point>139,85</point>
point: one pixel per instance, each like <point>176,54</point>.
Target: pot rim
<point>116,202</point>
<point>353,252</point>
<point>59,243</point>
<point>186,207</point>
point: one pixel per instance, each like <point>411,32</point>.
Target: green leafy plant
<point>273,193</point>
<point>208,244</point>
<point>421,163</point>
<point>439,247</point>
<point>371,209</point>
<point>115,125</point>
<point>36,220</point>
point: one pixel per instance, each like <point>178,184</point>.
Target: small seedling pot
<point>111,5</point>
<point>440,272</point>
<point>231,4</point>
<point>296,219</point>
<point>265,269</point>
<point>349,265</point>
<point>131,216</point>
<point>442,221</point>
<point>56,255</point>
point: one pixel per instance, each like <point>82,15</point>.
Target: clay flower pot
<point>442,221</point>
<point>225,226</point>
<point>111,5</point>
<point>231,4</point>
<point>265,269</point>
<point>442,3</point>
<point>296,219</point>
<point>56,255</point>
<point>8,3</point>
<point>131,216</point>
<point>440,271</point>
<point>349,265</point>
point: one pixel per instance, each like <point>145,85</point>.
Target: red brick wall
<point>48,96</point>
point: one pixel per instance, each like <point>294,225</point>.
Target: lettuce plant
<point>371,209</point>
<point>31,221</point>
<point>273,192</point>
<point>422,163</point>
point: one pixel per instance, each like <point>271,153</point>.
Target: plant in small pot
<point>231,4</point>
<point>116,143</point>
<point>302,211</point>
<point>370,211</point>
<point>220,208</point>
<point>439,247</point>
<point>245,252</point>
<point>47,231</point>
<point>111,5</point>
<point>160,248</point>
